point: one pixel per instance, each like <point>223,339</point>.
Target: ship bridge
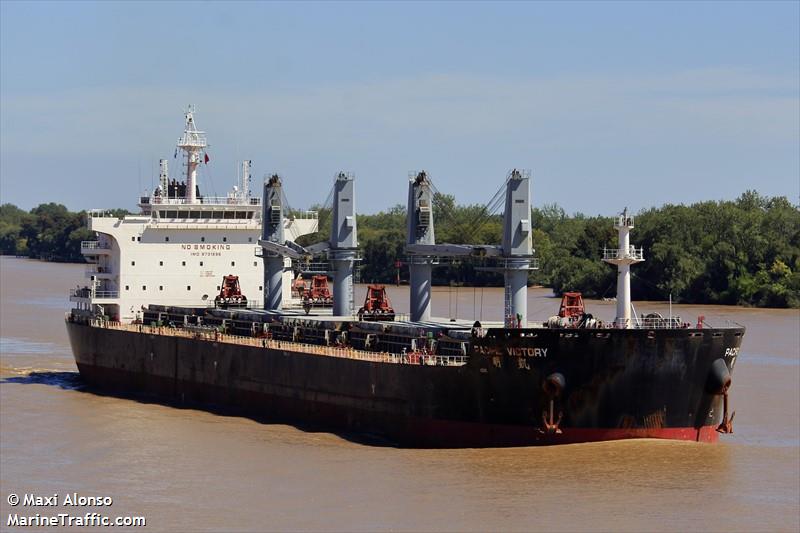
<point>181,244</point>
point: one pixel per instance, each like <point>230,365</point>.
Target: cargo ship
<point>146,324</point>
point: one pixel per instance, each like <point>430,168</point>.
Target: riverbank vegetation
<point>742,252</point>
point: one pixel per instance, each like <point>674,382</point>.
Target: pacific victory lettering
<point>526,352</point>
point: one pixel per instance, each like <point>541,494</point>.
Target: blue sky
<point>608,104</point>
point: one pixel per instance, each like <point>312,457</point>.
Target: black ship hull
<point>617,384</point>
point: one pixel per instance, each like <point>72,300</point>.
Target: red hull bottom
<point>490,435</point>
<point>405,430</point>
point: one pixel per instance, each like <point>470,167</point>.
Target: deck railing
<point>86,292</point>
<point>205,200</point>
<point>95,245</point>
<point>298,347</point>
<point>651,323</point>
<point>634,253</point>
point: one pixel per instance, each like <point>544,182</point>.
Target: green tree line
<point>48,231</point>
<point>743,252</point>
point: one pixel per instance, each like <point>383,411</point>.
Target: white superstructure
<point>177,250</point>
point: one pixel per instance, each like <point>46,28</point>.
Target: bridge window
<point>144,287</point>
<point>161,263</point>
<point>183,263</point>
<point>188,287</point>
<point>202,239</point>
<point>224,239</point>
<point>133,263</point>
<point>161,287</point>
<point>166,239</point>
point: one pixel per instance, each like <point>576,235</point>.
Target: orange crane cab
<point>230,294</point>
<point>376,305</point>
<point>571,306</point>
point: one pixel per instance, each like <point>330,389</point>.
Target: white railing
<point>637,254</point>
<point>95,245</point>
<point>206,200</point>
<point>302,215</point>
<point>97,269</point>
<point>101,213</point>
<point>651,323</point>
<point>298,347</point>
<point>623,221</point>
<point>86,292</point>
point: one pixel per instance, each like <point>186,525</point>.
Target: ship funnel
<point>517,247</point>
<point>272,232</point>
<point>343,243</point>
<point>420,231</point>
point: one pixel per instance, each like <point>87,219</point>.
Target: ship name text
<point>526,352</point>
<point>513,351</point>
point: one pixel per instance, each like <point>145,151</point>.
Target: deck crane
<point>341,248</point>
<point>515,254</point>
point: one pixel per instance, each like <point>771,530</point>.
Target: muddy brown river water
<point>190,470</point>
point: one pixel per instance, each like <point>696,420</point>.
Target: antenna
<point>193,143</point>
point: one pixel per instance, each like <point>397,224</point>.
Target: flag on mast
<point>206,159</point>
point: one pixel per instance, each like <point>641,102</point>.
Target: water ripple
<point>63,380</point>
<point>15,345</point>
<point>767,360</point>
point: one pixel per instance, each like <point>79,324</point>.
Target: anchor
<point>719,382</point>
<point>552,386</point>
<point>726,426</point>
<point>550,427</point>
